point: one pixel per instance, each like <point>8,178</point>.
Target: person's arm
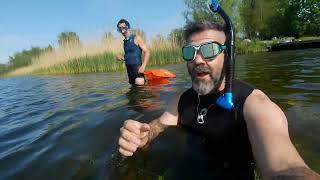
<point>275,155</point>
<point>136,135</point>
<point>168,118</point>
<point>146,53</point>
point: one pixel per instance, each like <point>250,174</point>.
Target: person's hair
<point>123,21</point>
<point>197,27</point>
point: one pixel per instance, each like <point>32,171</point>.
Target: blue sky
<point>38,22</point>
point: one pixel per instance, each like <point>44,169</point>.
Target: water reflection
<point>142,98</point>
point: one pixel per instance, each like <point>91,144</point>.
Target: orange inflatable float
<point>158,74</point>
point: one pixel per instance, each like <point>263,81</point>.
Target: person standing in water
<point>133,46</point>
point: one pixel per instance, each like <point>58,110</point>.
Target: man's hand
<point>141,69</point>
<point>119,57</point>
<point>133,135</point>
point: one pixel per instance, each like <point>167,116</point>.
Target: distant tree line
<point>265,19</point>
<point>259,19</point>
<point>68,39</point>
<point>2,68</point>
<point>25,57</point>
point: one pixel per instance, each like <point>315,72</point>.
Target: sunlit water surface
<point>66,127</point>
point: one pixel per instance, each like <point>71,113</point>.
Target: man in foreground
<point>255,130</point>
<point>133,47</point>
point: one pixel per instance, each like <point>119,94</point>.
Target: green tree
<point>265,19</point>
<point>312,14</point>
<point>257,17</point>
<point>304,17</point>
<point>247,16</point>
<point>197,10</point>
<point>25,58</point>
<point>3,68</point>
<point>68,39</point>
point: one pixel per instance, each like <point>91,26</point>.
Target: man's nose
<point>199,59</point>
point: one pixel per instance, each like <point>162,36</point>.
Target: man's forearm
<point>146,59</point>
<point>156,127</point>
<point>298,173</point>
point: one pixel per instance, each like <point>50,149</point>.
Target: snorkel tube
<point>226,100</point>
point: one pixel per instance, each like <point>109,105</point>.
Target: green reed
<point>107,62</point>
<point>251,47</point>
<point>161,53</point>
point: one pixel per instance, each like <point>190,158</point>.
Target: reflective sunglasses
<point>208,50</point>
<point>120,29</point>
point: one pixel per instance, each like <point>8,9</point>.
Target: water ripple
<point>67,123</point>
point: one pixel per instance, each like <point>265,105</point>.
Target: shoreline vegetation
<point>256,22</point>
<point>74,58</point>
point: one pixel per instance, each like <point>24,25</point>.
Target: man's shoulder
<point>258,95</point>
<point>259,109</point>
<point>257,99</point>
<point>137,39</point>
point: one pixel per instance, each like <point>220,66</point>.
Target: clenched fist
<point>133,135</point>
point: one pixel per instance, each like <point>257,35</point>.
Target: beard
<point>203,87</point>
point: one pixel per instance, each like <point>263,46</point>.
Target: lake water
<point>67,127</point>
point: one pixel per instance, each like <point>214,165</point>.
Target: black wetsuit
<point>132,58</point>
<point>222,139</point>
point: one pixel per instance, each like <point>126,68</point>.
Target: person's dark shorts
<point>133,73</point>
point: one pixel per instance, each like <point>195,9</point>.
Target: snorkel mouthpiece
<point>226,100</point>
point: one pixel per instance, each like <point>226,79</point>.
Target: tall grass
<point>307,38</point>
<point>104,62</point>
<point>251,47</point>
<point>101,56</point>
<point>95,57</point>
<point>164,52</point>
<point>61,57</point>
